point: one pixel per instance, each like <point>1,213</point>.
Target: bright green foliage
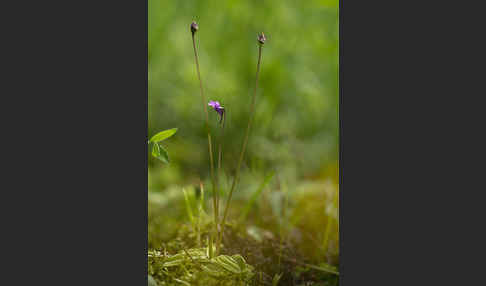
<point>158,151</point>
<point>161,136</point>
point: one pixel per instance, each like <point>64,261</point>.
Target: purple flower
<point>218,108</point>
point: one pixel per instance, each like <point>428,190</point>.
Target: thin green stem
<point>220,154</point>
<point>329,224</point>
<point>221,143</point>
<point>243,149</point>
<point>213,181</point>
<point>199,213</point>
<point>280,225</point>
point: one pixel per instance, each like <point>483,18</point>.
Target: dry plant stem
<point>243,149</point>
<point>215,204</point>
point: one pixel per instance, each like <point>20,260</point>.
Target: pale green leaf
<point>161,136</point>
<point>160,153</point>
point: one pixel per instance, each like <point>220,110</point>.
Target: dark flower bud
<point>261,38</point>
<point>194,27</point>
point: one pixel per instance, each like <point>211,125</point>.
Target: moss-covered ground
<point>286,237</point>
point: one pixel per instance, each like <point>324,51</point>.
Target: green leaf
<point>182,281</point>
<point>161,136</point>
<point>324,267</point>
<point>276,278</point>
<point>225,262</point>
<point>160,153</point>
<point>156,150</point>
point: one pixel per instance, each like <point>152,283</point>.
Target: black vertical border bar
<point>340,82</point>
<point>83,192</point>
<point>145,167</point>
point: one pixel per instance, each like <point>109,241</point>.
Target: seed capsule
<point>194,27</point>
<point>261,38</point>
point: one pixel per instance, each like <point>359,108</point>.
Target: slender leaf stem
<point>243,149</point>
<point>221,143</point>
<point>218,182</point>
<point>213,181</point>
<point>330,221</point>
<point>220,155</point>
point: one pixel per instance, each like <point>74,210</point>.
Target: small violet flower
<point>218,108</point>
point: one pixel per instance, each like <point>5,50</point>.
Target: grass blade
<point>188,206</point>
<point>255,195</point>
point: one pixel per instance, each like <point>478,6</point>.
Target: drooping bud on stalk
<point>194,27</point>
<point>261,38</point>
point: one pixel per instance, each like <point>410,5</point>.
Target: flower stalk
<point>194,28</point>
<point>222,113</point>
<point>261,40</point>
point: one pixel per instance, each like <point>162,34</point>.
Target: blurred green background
<point>296,125</point>
<point>296,121</point>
